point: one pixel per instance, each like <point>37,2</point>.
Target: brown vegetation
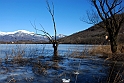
<point>105,52</point>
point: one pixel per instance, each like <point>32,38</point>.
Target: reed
<point>104,51</point>
<point>116,74</point>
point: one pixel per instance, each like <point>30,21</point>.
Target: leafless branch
<point>109,11</point>
<point>52,15</point>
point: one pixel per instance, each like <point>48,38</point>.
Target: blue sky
<point>17,14</point>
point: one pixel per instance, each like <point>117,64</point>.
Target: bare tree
<point>108,15</point>
<point>52,40</point>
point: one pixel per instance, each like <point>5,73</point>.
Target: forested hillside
<point>92,35</point>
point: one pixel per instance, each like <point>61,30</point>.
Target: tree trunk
<point>55,46</point>
<point>55,51</point>
<point>113,42</point>
<point>113,47</point>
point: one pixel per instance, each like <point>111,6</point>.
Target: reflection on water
<point>38,67</point>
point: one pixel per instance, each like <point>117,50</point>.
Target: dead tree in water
<point>52,40</point>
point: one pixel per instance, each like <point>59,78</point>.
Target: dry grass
<point>105,52</point>
<point>19,60</point>
<point>105,49</point>
<point>116,73</point>
<point>101,49</point>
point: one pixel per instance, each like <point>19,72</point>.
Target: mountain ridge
<point>23,36</point>
<point>92,35</point>
<point>8,33</point>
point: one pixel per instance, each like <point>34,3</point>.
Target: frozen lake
<point>35,64</point>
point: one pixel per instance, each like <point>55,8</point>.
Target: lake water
<point>40,68</point>
<point>33,50</point>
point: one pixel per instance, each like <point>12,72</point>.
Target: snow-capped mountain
<point>23,35</point>
<point>59,36</point>
<point>19,31</point>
